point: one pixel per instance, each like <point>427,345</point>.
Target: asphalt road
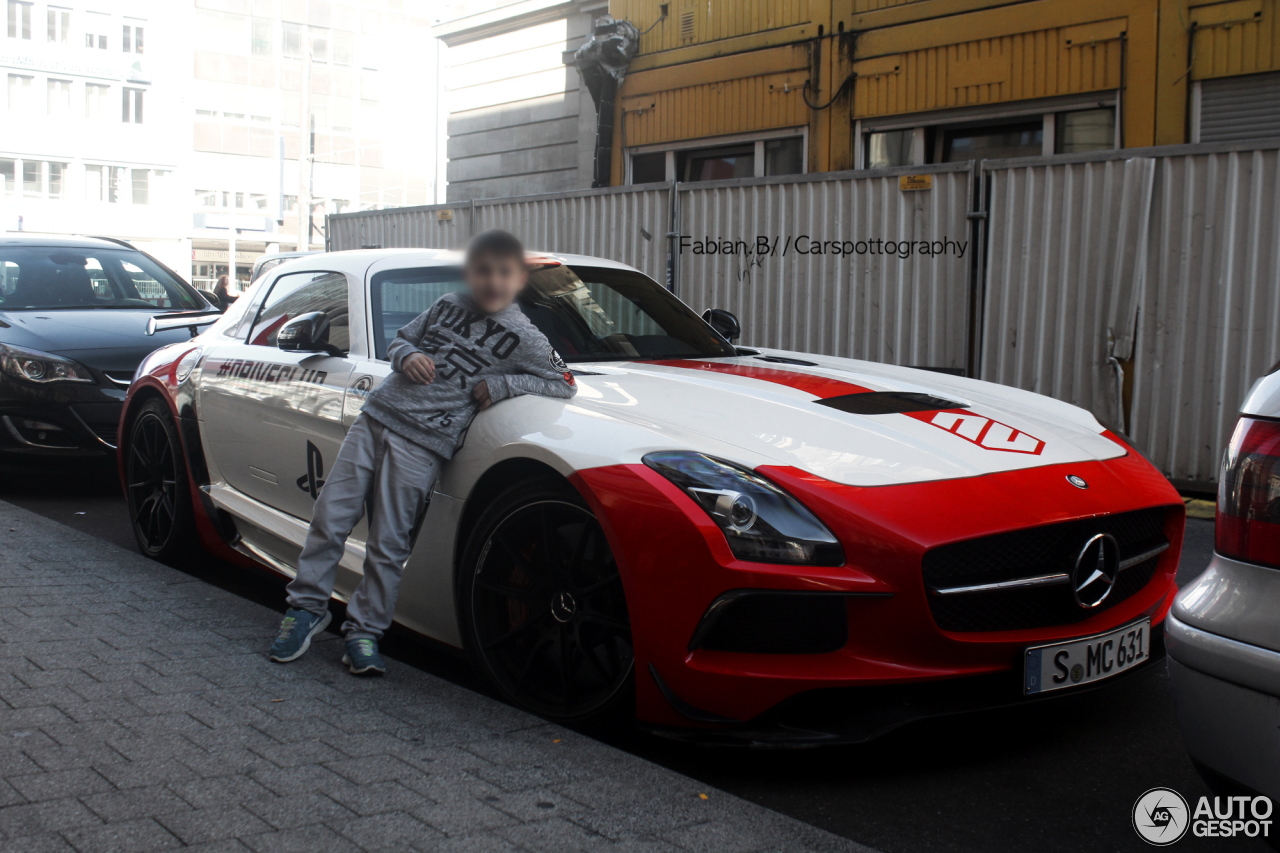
<point>1062,776</point>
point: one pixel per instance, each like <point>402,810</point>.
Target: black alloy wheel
<point>543,605</point>
<point>156,485</point>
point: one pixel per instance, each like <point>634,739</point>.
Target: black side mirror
<point>307,333</point>
<point>212,299</point>
<point>724,322</point>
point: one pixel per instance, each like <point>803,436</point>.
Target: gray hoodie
<point>468,346</point>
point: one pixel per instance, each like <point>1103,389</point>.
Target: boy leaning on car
<point>466,352</point>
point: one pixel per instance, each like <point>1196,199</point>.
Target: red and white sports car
<point>738,543</point>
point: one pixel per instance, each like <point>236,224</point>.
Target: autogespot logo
<point>1160,816</point>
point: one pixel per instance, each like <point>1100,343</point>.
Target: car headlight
<point>761,522</point>
<point>34,366</point>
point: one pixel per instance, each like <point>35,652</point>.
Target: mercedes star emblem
<point>1095,570</point>
<point>563,607</point>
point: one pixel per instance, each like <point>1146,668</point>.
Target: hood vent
<point>889,403</point>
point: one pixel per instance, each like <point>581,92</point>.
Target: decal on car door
<point>313,480</point>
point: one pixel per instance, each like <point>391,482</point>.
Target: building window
<point>1082,131</point>
<point>1024,134</point>
<point>131,106</point>
<point>98,183</point>
<point>291,41</point>
<point>141,186</point>
<point>20,88</point>
<point>132,38</point>
<point>889,148</point>
<point>992,141</point>
<point>261,39</point>
<point>716,164</point>
<point>19,19</point>
<point>117,184</point>
<point>32,179</point>
<point>58,98</point>
<point>784,156</point>
<point>95,31</point>
<point>97,101</point>
<point>40,178</point>
<point>319,43</point>
<point>57,172</point>
<point>776,155</point>
<point>59,24</point>
<point>343,48</point>
<point>206,198</point>
<point>649,168</point>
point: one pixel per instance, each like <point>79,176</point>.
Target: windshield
<point>588,313</point>
<point>52,278</point>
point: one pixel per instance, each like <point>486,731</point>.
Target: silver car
<point>1223,635</point>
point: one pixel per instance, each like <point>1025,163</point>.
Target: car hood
<point>765,412</point>
<point>105,339</point>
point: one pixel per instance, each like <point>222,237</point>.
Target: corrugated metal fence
<point>827,285</point>
<point>1142,284</point>
<point>1141,280</point>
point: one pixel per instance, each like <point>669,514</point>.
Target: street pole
<point>304,151</point>
<point>233,285</point>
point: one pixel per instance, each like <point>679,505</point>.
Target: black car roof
<point>62,241</point>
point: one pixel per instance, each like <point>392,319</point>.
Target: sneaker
<point>362,657</point>
<point>296,630</point>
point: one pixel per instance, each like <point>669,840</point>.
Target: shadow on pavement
<point>1062,776</point>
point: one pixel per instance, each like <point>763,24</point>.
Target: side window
<point>302,293</point>
<point>399,296</point>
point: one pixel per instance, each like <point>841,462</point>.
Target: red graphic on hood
<point>821,387</point>
<point>984,432</point>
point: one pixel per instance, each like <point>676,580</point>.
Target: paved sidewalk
<point>137,712</point>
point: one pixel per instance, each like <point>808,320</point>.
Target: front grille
<point>781,623</point>
<point>1035,552</point>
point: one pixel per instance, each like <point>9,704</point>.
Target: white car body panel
<point>623,410</point>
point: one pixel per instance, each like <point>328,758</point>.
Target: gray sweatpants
<point>392,477</point>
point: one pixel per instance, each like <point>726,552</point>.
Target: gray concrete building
<point>519,121</point>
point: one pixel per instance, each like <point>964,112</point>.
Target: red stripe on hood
<point>820,386</point>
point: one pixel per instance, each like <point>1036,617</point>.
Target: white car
<point>746,544</point>
<point>1224,632</point>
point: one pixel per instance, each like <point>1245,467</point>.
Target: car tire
<point>156,485</point>
<point>542,607</point>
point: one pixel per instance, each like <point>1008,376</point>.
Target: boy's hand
<point>481,394</point>
<point>419,368</point>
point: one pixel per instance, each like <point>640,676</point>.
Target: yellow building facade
<point>739,88</point>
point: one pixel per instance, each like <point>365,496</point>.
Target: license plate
<point>1061,665</point>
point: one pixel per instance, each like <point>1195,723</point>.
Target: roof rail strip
<point>119,240</point>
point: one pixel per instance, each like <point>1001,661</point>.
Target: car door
<point>397,294</point>
<point>273,419</point>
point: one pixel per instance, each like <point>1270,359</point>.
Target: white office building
<point>178,124</point>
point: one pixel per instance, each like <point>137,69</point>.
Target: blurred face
<point>495,281</point>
